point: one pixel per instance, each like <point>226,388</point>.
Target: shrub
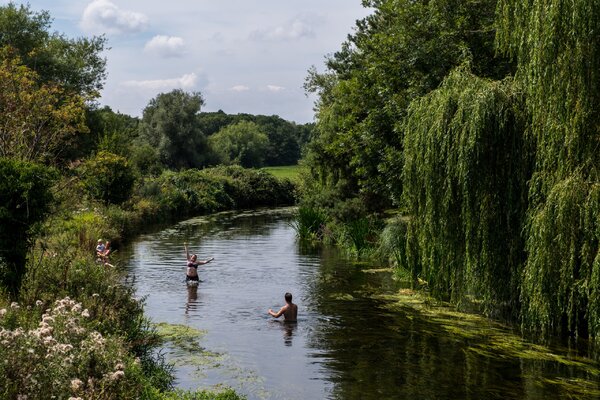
<point>108,177</point>
<point>64,355</point>
<point>25,199</point>
<point>392,245</point>
<point>251,188</point>
<point>309,222</point>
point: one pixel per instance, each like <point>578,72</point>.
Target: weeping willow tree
<point>465,173</point>
<point>557,46</point>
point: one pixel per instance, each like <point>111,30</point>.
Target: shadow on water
<point>360,334</point>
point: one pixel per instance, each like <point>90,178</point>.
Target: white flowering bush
<point>63,357</point>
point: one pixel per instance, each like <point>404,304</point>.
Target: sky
<point>244,56</point>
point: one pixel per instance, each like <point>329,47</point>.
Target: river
<point>359,335</point>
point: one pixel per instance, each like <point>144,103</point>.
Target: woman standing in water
<point>192,265</point>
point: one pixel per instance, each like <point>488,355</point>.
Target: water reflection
<point>192,298</point>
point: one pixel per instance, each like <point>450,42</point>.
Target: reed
<point>309,223</point>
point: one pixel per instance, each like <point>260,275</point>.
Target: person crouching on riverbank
<point>192,265</point>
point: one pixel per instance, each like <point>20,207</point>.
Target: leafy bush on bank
<point>77,327</point>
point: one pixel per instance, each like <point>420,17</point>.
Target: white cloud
<point>239,88</point>
<point>103,16</point>
<point>275,88</point>
<point>165,46</point>
<point>295,29</point>
<point>187,81</point>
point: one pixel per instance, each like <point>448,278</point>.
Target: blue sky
<point>246,56</point>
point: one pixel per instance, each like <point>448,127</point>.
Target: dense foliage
<point>108,177</point>
<point>243,143</point>
<point>25,200</point>
<point>559,64</point>
<point>75,64</point>
<point>36,121</point>
<point>400,52</point>
<point>465,173</point>
<point>494,162</point>
<point>169,126</point>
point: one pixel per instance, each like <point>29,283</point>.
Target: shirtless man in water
<point>192,265</point>
<point>289,311</point>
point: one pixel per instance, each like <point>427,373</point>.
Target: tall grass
<point>359,236</point>
<point>309,222</point>
<point>392,247</point>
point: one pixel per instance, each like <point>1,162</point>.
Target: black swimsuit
<point>192,278</point>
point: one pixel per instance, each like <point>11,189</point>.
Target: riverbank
<point>75,328</point>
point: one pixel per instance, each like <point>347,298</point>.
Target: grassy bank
<point>75,330</point>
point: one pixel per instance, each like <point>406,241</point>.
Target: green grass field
<point>291,172</point>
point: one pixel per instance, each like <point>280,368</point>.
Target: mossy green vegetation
<point>493,340</point>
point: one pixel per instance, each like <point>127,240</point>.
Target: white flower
<point>76,384</point>
<point>3,312</point>
<point>85,313</point>
<point>117,375</point>
<point>95,295</point>
<point>119,367</point>
<point>38,303</point>
<point>14,305</point>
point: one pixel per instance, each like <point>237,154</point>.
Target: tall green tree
<point>243,144</point>
<point>400,52</point>
<point>75,64</point>
<point>467,164</point>
<point>169,125</point>
<point>557,47</point>
<point>36,120</point>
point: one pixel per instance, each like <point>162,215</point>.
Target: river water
<point>359,335</point>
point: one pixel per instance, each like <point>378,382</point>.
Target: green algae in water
<point>183,347</point>
<point>493,340</point>
<point>341,296</point>
<point>177,332</point>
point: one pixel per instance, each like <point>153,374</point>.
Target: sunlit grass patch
<point>291,172</point>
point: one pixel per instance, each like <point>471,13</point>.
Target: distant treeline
<point>173,134</point>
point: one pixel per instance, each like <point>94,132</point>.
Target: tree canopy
<point>243,143</point>
<point>74,64</point>
<point>403,50</point>
<point>37,120</point>
<point>286,139</point>
<point>169,125</point>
